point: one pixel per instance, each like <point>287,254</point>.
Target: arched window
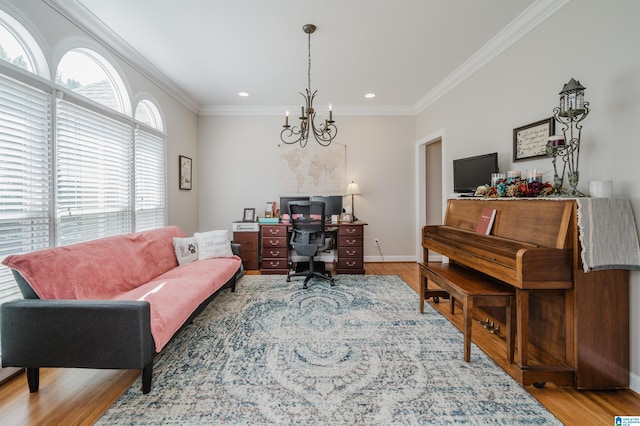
<point>89,74</point>
<point>25,150</point>
<point>147,112</point>
<point>19,47</point>
<point>93,150</point>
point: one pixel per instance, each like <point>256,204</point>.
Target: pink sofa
<point>107,303</point>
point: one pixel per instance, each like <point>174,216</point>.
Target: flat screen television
<point>471,172</point>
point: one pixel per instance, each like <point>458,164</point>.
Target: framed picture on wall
<point>185,172</point>
<point>530,141</point>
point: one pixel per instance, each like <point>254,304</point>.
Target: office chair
<point>307,237</point>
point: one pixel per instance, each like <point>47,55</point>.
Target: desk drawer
<point>350,230</point>
<point>273,242</point>
<point>274,252</point>
<point>350,253</point>
<point>349,241</point>
<point>348,265</point>
<point>274,264</point>
<point>274,231</point>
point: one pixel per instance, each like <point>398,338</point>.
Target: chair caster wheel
<point>304,286</point>
<point>436,299</point>
<point>288,279</point>
<point>539,385</point>
<point>333,283</point>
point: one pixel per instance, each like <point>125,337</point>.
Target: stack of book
<point>270,220</point>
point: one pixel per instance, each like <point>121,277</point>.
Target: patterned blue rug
<point>356,353</point>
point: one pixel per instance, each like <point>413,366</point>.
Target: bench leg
<point>453,305</point>
<point>467,323</point>
<point>423,291</point>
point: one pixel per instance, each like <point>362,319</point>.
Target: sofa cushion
<point>176,294</point>
<point>186,249</point>
<point>213,244</point>
<point>98,269</point>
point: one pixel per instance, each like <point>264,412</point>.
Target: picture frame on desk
<point>249,215</point>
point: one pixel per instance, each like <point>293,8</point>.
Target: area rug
<point>356,353</point>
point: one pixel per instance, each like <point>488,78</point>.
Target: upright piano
<point>572,327</point>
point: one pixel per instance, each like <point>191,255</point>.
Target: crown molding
<point>78,15</point>
<point>278,110</point>
<point>535,14</point>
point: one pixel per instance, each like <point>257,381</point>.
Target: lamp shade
<point>353,189</point>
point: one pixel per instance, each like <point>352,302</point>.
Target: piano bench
<point>472,289</point>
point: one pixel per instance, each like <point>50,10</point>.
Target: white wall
<point>58,33</point>
<point>590,40</point>
<point>238,160</point>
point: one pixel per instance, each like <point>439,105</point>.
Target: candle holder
<point>552,150</point>
<point>572,110</point>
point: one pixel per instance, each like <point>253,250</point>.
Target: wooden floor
<point>79,397</point>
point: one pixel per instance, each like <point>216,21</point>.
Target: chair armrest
<point>76,333</point>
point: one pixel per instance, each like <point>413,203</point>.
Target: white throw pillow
<point>213,244</point>
<point>186,249</point>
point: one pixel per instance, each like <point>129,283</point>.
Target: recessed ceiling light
<point>370,95</point>
<point>243,94</point>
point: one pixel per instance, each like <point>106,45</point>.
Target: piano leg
<point>522,326</point>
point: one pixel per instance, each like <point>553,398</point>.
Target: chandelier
<point>325,132</point>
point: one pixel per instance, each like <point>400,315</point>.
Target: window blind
<point>149,180</point>
<point>25,193</point>
<point>94,175</point>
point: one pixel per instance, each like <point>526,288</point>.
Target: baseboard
<point>634,382</point>
<point>8,373</point>
<point>390,259</point>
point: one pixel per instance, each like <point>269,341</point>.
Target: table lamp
<point>352,190</point>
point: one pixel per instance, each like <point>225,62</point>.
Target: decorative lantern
<point>572,99</point>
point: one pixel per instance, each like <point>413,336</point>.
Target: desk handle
<point>351,253</point>
<point>350,242</point>
<point>274,243</point>
<point>274,253</point>
<point>351,264</point>
<point>350,230</point>
<point>273,231</point>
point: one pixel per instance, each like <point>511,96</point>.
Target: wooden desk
<point>274,245</point>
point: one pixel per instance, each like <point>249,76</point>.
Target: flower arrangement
<point>516,188</point>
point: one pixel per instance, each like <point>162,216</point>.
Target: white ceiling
<point>404,51</point>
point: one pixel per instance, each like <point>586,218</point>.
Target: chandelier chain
<point>309,69</point>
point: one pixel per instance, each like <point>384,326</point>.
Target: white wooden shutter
<point>94,175</point>
<point>150,186</point>
<point>25,189</point>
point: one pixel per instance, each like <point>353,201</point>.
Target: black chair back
<point>307,218</point>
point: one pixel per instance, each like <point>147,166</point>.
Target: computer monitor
<point>332,204</point>
<point>284,203</point>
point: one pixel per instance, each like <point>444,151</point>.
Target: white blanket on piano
<point>608,234</point>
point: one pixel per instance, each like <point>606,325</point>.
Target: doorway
<point>430,159</point>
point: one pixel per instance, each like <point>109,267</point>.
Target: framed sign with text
<point>530,141</point>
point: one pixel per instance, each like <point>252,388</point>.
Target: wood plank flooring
<point>80,396</point>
